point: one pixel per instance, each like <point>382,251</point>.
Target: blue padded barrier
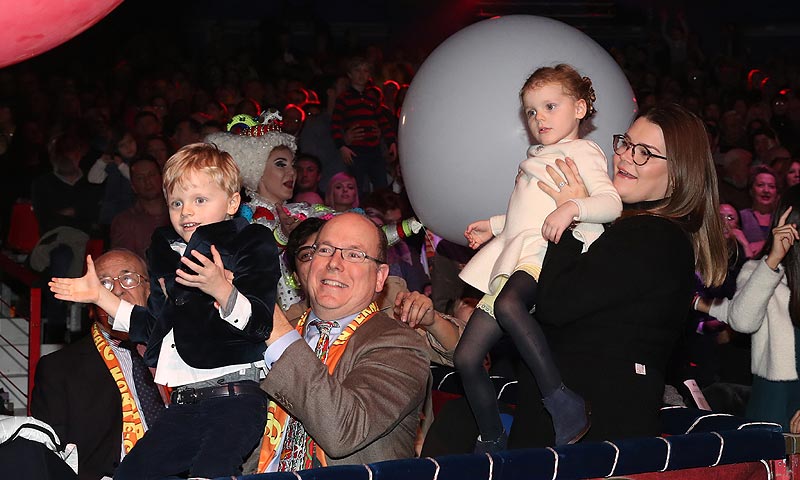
<point>680,420</point>
<point>572,462</point>
<point>404,469</point>
<point>714,439</point>
<point>464,467</point>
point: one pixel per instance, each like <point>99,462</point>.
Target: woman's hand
<point>794,423</point>
<point>210,275</point>
<point>783,237</point>
<point>414,308</point>
<point>287,222</point>
<point>570,184</point>
<point>738,234</point>
<point>478,233</point>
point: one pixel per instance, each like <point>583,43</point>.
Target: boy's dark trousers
<point>210,438</point>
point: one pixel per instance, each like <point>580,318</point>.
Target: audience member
<point>342,192</point>
<point>763,306</point>
<point>358,105</point>
<point>757,219</point>
<point>293,119</point>
<point>309,174</point>
<point>79,389</point>
<point>112,170</point>
<point>316,138</point>
<point>187,131</point>
<point>133,228</point>
<point>160,148</point>
<point>374,373</point>
<point>733,178</point>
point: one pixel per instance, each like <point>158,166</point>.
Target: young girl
<point>555,101</point>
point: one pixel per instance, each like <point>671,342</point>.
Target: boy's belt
<point>189,395</point>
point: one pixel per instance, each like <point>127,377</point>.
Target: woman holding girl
<point>612,315</point>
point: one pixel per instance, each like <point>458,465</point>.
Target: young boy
<point>205,334</point>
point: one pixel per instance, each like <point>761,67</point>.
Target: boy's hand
<point>280,325</point>
<point>86,289</point>
<point>209,275</point>
<point>558,221</point>
<point>478,233</point>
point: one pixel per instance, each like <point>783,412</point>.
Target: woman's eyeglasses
<point>641,154</point>
<point>126,281</point>
<point>304,254</point>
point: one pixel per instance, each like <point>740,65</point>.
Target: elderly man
<point>349,381</point>
<point>97,393</point>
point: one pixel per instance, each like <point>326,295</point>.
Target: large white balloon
<point>462,133</point>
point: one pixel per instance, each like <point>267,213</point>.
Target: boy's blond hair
<point>206,158</point>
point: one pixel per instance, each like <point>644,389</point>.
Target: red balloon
<point>30,27</point>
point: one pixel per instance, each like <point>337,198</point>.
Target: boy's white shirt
<point>171,370</point>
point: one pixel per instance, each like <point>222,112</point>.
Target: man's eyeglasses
<point>641,154</point>
<point>350,255</point>
<point>126,281</point>
<point>727,217</point>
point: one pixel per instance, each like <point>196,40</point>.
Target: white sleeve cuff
<point>125,170</point>
<point>97,174</point>
<point>240,314</point>
<point>273,352</point>
<point>122,320</point>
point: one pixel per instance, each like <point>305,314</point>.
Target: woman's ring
<point>561,184</point>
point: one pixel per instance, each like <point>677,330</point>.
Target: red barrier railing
<point>16,272</point>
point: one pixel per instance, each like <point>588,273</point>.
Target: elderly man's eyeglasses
<point>351,255</point>
<point>127,281</point>
<point>727,216</point>
<point>641,154</point>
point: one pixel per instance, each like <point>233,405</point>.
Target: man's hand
<point>280,325</point>
<point>209,275</point>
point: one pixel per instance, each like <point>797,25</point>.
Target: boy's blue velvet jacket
<point>202,338</point>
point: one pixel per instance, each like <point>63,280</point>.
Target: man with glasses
<point>79,390</point>
<point>348,381</point>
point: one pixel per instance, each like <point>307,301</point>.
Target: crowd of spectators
<point>85,146</point>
